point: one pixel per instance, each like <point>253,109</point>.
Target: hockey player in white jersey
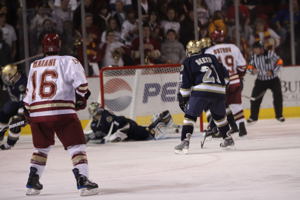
<point>56,88</point>
<point>231,57</point>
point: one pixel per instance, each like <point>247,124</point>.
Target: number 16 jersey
<point>51,87</point>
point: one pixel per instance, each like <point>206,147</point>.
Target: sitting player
<point>11,112</point>
<point>108,127</point>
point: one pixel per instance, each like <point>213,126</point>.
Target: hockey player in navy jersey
<point>109,127</point>
<point>203,84</point>
<point>11,112</point>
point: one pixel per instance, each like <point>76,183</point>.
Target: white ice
<point>264,166</point>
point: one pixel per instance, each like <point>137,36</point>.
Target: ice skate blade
<point>184,151</point>
<point>32,192</point>
<point>90,192</point>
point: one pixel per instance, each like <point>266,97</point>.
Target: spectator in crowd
<point>92,42</point>
<point>48,26</point>
<point>42,13</point>
<point>61,14</point>
<point>214,6</point>
<point>37,25</point>
<point>268,36</point>
<point>88,7</point>
<point>112,51</point>
<point>112,26</point>
<point>119,12</point>
<point>243,11</point>
<point>246,36</point>
<point>8,35</point>
<point>129,30</point>
<point>127,4</point>
<point>203,32</point>
<point>281,24</point>
<point>72,5</point>
<point>147,6</point>
<point>4,53</point>
<point>172,51</point>
<point>202,13</point>
<point>70,39</point>
<point>170,22</point>
<point>186,32</point>
<point>102,16</point>
<point>151,48</point>
<point>266,64</point>
<point>154,24</point>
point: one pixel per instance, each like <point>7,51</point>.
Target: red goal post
<point>138,92</point>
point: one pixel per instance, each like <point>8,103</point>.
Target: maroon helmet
<point>51,43</point>
<point>217,36</point>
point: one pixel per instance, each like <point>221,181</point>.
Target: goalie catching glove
<point>182,101</point>
<point>82,100</point>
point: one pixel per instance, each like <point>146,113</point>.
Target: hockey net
<point>139,92</point>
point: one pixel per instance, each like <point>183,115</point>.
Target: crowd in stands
<point>112,28</point>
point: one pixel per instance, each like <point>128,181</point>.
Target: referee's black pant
<point>260,87</point>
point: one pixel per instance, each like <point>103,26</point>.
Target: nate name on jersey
<point>44,63</point>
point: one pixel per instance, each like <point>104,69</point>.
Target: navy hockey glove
<point>182,101</point>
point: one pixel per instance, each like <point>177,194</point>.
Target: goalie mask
<point>95,110</point>
<point>10,74</point>
<point>193,47</point>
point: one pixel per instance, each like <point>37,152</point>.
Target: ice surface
<point>264,166</point>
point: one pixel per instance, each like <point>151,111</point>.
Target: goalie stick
<point>255,98</point>
<point>17,124</point>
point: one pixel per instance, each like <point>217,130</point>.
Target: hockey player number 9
<point>228,62</point>
<point>47,89</point>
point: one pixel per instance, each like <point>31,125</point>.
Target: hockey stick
<point>255,98</point>
<point>203,141</point>
<point>25,59</point>
<point>17,124</point>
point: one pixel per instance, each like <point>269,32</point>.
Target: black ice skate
<point>281,119</point>
<point>242,129</point>
<point>33,184</point>
<point>183,147</point>
<point>251,121</point>
<point>84,185</point>
<point>227,142</point>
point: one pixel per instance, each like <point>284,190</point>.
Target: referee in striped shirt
<point>266,64</point>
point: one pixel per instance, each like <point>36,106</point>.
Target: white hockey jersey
<point>51,87</point>
<point>231,57</point>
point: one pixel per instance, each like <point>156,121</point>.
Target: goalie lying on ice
<point>108,127</point>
